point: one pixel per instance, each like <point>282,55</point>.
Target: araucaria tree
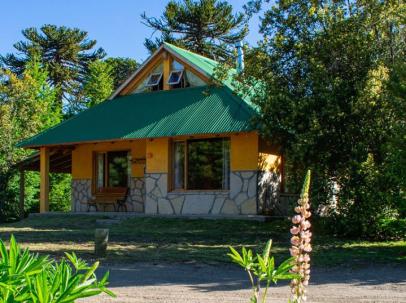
<point>328,72</point>
<point>66,53</point>
<point>207,27</point>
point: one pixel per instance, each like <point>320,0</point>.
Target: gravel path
<point>169,283</point>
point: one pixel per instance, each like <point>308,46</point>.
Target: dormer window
<point>175,77</point>
<point>155,81</point>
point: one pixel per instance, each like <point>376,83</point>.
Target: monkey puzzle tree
<point>207,27</point>
<point>65,52</point>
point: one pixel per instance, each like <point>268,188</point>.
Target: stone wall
<point>241,199</point>
<point>136,198</point>
<point>81,193</point>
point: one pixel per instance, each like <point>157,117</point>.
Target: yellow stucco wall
<point>82,157</point>
<point>244,151</point>
<point>157,155</point>
<point>244,155</point>
<point>269,158</point>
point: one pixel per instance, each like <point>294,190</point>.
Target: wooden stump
<point>101,238</point>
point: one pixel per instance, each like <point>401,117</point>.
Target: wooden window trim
<point>172,171</point>
<point>106,167</point>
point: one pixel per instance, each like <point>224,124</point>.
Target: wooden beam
<point>22,192</point>
<point>166,70</point>
<point>44,181</point>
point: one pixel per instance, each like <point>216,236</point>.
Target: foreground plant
<point>261,270</point>
<point>301,247</point>
<point>28,278</point>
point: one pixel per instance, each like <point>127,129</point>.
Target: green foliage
<point>27,277</point>
<point>392,229</point>
<point>66,53</point>
<point>122,68</point>
<point>60,192</point>
<point>261,269</point>
<point>98,83</point>
<point>207,27</point>
<point>330,72</point>
<point>26,107</point>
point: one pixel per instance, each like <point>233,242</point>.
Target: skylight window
<point>175,77</point>
<point>154,79</point>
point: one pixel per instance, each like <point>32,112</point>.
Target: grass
<point>181,240</point>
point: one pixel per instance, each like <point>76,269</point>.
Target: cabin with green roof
<point>166,143</point>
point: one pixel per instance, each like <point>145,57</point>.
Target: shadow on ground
<point>209,278</point>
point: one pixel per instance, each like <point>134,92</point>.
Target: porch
<point>211,175</point>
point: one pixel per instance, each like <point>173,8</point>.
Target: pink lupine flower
<point>294,251</point>
<point>294,230</point>
<point>301,247</point>
<point>296,219</point>
<point>295,240</point>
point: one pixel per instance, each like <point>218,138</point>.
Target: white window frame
<point>179,79</point>
<point>156,83</point>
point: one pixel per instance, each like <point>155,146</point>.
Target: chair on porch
<point>106,196</point>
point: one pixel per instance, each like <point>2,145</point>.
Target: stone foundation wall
<point>241,199</point>
<point>81,193</point>
<point>136,198</point>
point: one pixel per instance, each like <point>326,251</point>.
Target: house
<point>180,145</point>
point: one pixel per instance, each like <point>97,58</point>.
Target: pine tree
<point>207,27</point>
<point>66,53</point>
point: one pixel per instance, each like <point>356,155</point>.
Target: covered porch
<point>105,175</point>
<point>47,160</point>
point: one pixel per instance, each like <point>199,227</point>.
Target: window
<point>154,79</point>
<point>112,169</point>
<point>175,76</point>
<point>155,82</point>
<point>202,164</point>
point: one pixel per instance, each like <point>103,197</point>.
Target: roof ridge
<point>188,51</point>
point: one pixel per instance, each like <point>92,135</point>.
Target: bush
<point>29,278</point>
<point>392,229</point>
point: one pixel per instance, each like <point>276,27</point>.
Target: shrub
<point>392,229</point>
<point>29,278</point>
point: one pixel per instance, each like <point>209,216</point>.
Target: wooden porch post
<point>22,192</point>
<point>44,185</point>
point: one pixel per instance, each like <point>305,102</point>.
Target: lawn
<point>181,240</point>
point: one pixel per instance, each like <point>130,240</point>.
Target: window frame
<point>147,84</point>
<point>106,169</point>
<point>185,165</point>
<point>179,79</point>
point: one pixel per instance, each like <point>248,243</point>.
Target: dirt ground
<point>146,282</point>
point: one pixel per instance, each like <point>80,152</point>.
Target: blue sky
<point>115,24</point>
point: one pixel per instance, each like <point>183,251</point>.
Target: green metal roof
<point>199,110</point>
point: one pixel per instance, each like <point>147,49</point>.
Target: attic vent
<point>175,77</point>
<point>154,79</point>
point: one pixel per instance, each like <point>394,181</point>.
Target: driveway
<point>158,283</point>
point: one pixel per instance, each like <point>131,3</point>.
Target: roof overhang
<point>60,161</point>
